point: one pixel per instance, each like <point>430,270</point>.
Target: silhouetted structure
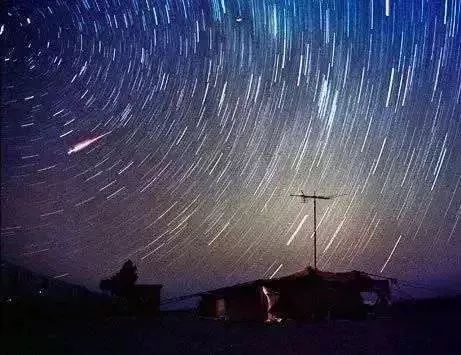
<point>308,294</point>
<point>142,299</point>
<point>146,299</point>
<point>122,283</point>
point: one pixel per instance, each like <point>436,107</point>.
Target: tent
<point>307,294</point>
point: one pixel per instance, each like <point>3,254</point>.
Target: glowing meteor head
<point>82,145</point>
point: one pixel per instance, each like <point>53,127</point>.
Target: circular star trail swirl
<point>172,132</point>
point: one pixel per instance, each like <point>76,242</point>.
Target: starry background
<point>172,132</point>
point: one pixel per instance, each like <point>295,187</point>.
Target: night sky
<point>171,132</point>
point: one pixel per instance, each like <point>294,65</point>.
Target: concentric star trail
<point>217,111</point>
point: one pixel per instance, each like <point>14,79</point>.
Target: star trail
<point>171,133</point>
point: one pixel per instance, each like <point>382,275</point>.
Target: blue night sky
<point>171,132</point>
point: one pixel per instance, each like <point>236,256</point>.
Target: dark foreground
<point>422,329</point>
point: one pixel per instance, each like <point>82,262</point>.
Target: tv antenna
<point>315,198</point>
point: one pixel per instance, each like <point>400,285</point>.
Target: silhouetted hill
<point>17,281</point>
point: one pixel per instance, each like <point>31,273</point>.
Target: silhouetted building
<point>146,298</point>
<point>308,294</point>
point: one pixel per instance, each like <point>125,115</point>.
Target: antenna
<point>315,198</point>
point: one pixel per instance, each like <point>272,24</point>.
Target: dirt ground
<point>432,332</point>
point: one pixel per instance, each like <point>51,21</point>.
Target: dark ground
<point>427,328</point>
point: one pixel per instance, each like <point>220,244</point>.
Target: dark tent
<point>308,294</point>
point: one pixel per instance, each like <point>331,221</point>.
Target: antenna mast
<point>315,198</point>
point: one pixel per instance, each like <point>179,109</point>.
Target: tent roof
<point>357,278</point>
<point>327,276</point>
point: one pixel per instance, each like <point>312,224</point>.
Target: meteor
<point>82,145</point>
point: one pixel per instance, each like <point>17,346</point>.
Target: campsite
<point>59,318</point>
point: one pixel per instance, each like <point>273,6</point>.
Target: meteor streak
<point>82,145</point>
